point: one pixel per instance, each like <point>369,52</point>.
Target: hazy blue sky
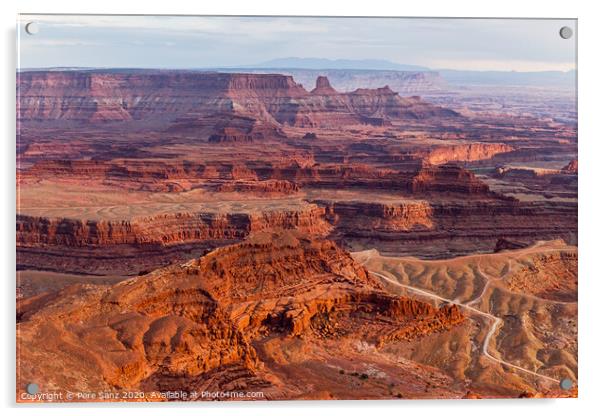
<point>194,42</point>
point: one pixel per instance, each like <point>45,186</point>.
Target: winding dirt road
<point>492,330</point>
<point>496,322</point>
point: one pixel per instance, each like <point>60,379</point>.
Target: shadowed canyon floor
<point>191,231</point>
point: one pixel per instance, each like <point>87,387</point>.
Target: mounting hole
<point>32,388</point>
<point>566,384</point>
<point>32,28</point>
<point>566,32</point>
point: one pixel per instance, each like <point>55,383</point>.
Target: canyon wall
<point>163,229</point>
<point>414,177</point>
<point>102,96</point>
<point>346,80</point>
<point>379,217</point>
<point>465,152</point>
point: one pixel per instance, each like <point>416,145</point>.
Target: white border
<point>590,207</point>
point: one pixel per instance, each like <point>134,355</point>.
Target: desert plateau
<point>280,234</point>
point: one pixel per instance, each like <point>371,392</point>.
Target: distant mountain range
<point>346,73</point>
<point>452,77</point>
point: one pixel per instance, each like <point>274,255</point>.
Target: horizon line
<point>248,67</point>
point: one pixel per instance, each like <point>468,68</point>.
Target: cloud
<point>197,41</point>
<point>191,25</point>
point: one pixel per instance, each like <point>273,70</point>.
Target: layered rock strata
<point>184,324</point>
<point>112,96</point>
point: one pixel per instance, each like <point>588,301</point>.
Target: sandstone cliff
<point>163,229</point>
<point>417,177</point>
<point>571,167</point>
<point>181,96</point>
<point>466,152</point>
<point>373,217</point>
<point>345,80</point>
<point>197,322</point>
<point>447,178</point>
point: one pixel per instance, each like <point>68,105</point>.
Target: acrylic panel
<point>293,208</point>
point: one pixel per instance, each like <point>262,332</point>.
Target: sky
<point>198,42</point>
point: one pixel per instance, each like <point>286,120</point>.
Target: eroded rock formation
<point>181,178</point>
<point>549,276</point>
<point>358,216</point>
<point>571,167</point>
<point>466,152</point>
<point>183,324</point>
<point>189,98</point>
<point>345,80</point>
